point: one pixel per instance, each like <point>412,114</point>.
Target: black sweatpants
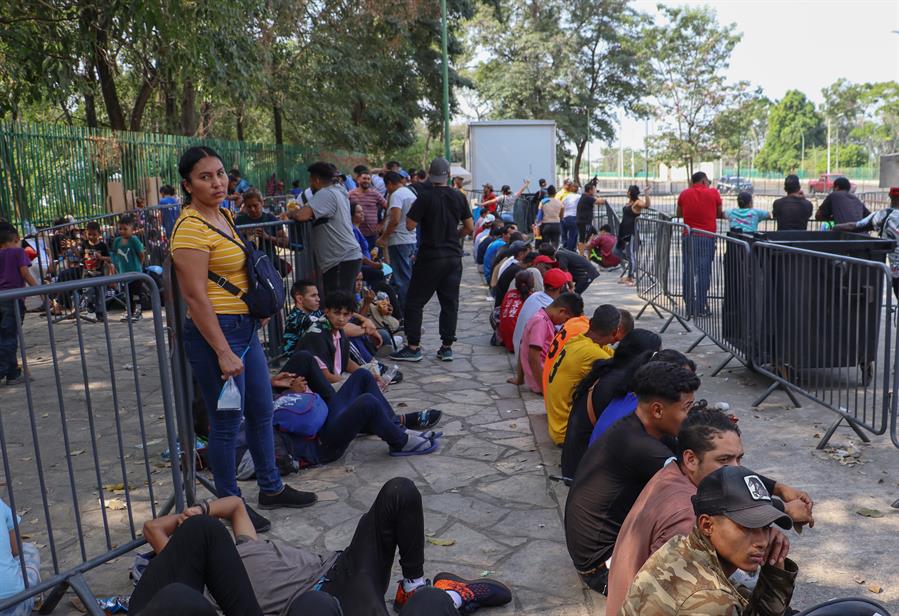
<point>361,575</point>
<point>426,601</point>
<point>441,276</point>
<point>200,554</point>
<point>341,277</point>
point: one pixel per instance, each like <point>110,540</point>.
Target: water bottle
<point>388,376</point>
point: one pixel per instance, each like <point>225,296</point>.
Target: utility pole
<point>828,146</point>
<point>646,148</point>
<point>621,153</point>
<point>443,44</point>
<point>802,162</point>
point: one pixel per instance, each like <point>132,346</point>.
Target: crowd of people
<point>660,515</point>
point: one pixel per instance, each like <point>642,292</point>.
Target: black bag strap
<point>216,279</point>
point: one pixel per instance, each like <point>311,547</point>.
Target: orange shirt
<point>571,328</point>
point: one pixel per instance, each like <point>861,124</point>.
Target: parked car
<point>824,183</point>
<point>733,184</point>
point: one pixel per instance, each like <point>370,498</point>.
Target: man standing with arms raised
<point>438,267</point>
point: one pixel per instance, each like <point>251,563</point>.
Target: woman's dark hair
<point>546,249</point>
<point>551,191</point>
<point>189,160</point>
<point>633,191</point>
<point>615,374</point>
<point>340,300</point>
<point>606,228</point>
<point>699,429</point>
<point>671,356</point>
<point>506,189</point>
<point>660,380</point>
<point>529,258</point>
<point>524,283</point>
<point>167,190</point>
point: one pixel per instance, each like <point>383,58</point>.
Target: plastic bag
<point>229,398</point>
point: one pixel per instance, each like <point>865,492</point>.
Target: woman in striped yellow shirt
<point>220,336</point>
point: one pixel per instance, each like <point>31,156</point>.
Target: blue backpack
<point>265,287</point>
<point>302,414</point>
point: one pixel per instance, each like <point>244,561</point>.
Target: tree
<point>740,129</point>
<point>569,62</point>
<point>684,61</point>
<point>790,119</point>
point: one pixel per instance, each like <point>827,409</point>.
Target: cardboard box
<point>115,198</point>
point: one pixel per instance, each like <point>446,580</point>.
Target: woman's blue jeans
<point>256,398</point>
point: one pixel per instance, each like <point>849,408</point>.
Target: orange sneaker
<point>402,596</point>
<point>475,594</point>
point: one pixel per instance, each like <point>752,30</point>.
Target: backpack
<point>265,287</point>
<point>302,414</point>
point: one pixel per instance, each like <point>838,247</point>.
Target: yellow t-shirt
<point>573,327</point>
<point>225,259</point>
<point>569,367</point>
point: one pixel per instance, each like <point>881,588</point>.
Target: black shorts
<point>584,231</point>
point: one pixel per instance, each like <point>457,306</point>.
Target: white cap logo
<point>757,489</point>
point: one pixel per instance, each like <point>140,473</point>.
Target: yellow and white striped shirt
<point>225,259</point>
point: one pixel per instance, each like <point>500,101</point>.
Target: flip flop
<point>422,448</point>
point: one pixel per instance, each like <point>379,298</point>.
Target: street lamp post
<point>443,44</point>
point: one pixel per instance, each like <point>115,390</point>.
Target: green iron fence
<point>49,171</point>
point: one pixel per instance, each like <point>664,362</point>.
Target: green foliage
<point>683,61</point>
<point>791,118</point>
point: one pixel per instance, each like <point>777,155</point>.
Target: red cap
<point>545,259</point>
<point>894,191</point>
<point>556,278</point>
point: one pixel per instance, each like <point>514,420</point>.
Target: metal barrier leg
<point>207,484</point>
<point>774,387</point>
<point>79,585</point>
<point>723,364</point>
<point>696,344</point>
<point>643,309</point>
<point>679,320</point>
<point>833,428</point>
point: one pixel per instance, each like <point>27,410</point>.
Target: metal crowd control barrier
<point>81,436</point>
<point>820,328</point>
<point>660,267</point>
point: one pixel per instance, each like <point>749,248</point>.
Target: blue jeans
<point>256,398</point>
<point>9,339</point>
<point>698,276</point>
<point>569,232</point>
<point>401,262</point>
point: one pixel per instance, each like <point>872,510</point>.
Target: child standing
<point>11,581</point>
<point>14,274</point>
<point>745,218</point>
<point>95,260</point>
<point>128,256</point>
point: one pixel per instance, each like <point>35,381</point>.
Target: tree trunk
<point>106,74</point>
<point>90,109</point>
<point>279,129</point>
<point>188,109</point>
<point>576,172</point>
<point>205,119</point>
<point>240,124</point>
<point>140,103</point>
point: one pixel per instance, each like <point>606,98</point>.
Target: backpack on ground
<point>302,414</point>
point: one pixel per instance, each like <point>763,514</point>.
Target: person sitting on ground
<point>305,313</point>
<point>745,218</point>
<point>11,580</point>
<point>371,269</point>
<point>495,246</point>
<point>502,255</point>
<point>708,440</point>
<point>842,206</point>
<point>540,266</point>
<point>792,212</point>
<point>510,309</point>
<point>329,341</point>
<point>607,377</point>
<point>573,363</point>
<point>555,282</point>
<point>358,407</point>
<point>623,402</point>
<point>602,248</point>
<point>689,574</point>
<point>256,577</point>
<point>616,468</point>
<point>523,260</point>
<point>482,230</point>
<point>539,333</point>
<point>494,232</point>
<point>886,224</point>
<point>514,254</point>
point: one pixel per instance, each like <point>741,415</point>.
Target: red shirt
<point>699,205</point>
<point>490,207</point>
<point>508,317</point>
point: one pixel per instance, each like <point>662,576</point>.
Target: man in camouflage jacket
<point>689,575</point>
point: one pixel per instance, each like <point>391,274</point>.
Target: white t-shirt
<point>570,203</point>
<point>401,199</point>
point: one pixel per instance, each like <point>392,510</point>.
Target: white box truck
<point>510,151</point>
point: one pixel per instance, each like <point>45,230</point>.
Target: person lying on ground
<point>194,549</point>
<point>708,440</point>
<point>615,469</point>
<point>539,333</point>
<point>574,362</point>
<point>555,282</point>
<point>689,574</point>
<point>510,309</point>
<point>606,378</point>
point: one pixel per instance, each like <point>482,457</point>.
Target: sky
<point>800,44</point>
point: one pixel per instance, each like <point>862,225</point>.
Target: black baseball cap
<point>739,494</point>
